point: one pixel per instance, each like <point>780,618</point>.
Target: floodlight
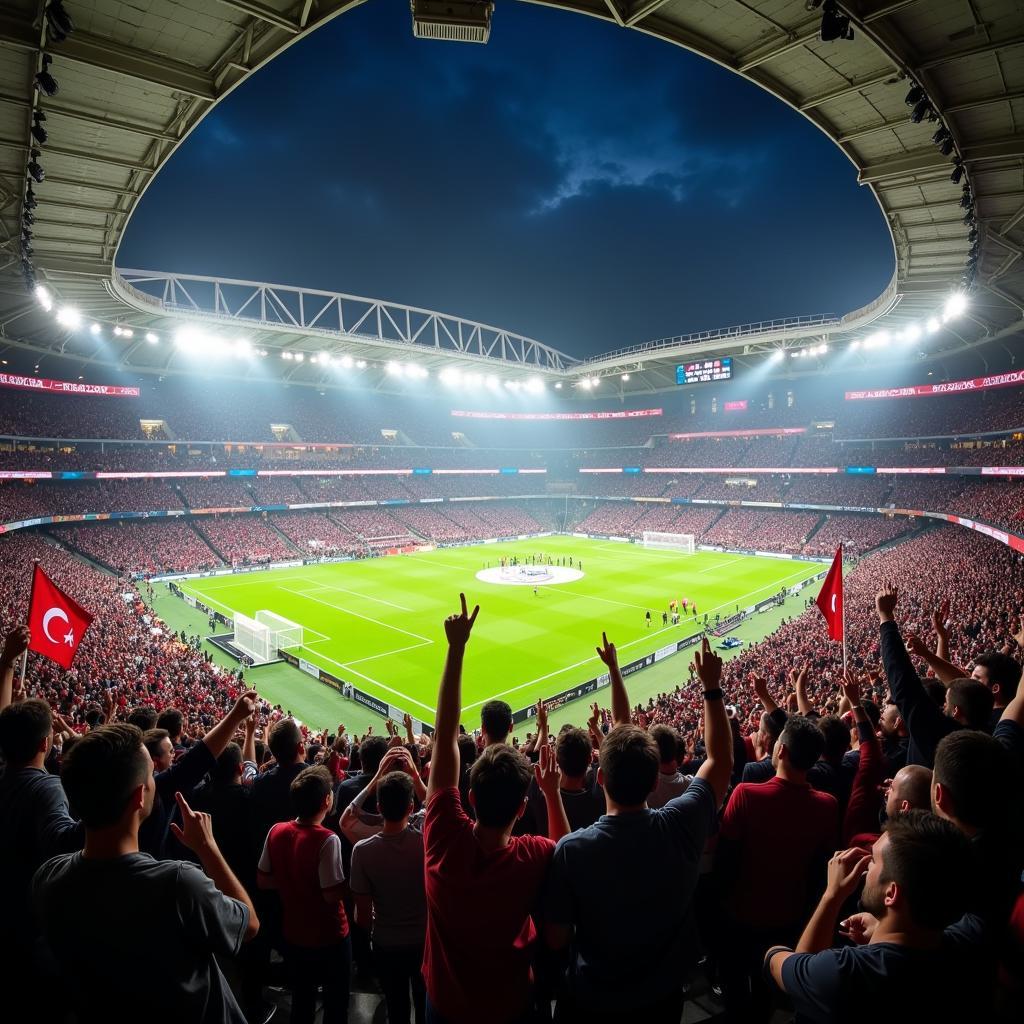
<point>127,332</point>
<point>43,298</point>
<point>58,21</point>
<point>299,357</point>
<point>585,384</point>
<point>595,381</point>
<point>625,376</point>
<point>915,95</point>
<point>921,110</point>
<point>941,135</point>
<point>39,133</point>
<point>931,326</point>
<point>94,328</point>
<point>855,344</point>
<point>188,339</point>
<point>45,82</point>
<point>151,338</point>
<point>834,24</point>
<point>117,331</point>
<point>491,381</point>
<point>558,385</point>
<point>35,168</point>
<point>911,333</point>
<point>958,172</point>
<point>30,199</point>
<point>360,364</point>
<point>347,362</point>
<point>243,347</point>
<point>956,305</point>
<point>68,316</point>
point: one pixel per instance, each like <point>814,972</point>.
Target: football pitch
<point>378,623</point>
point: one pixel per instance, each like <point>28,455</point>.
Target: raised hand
<point>15,645</point>
<point>850,687</point>
<point>940,617</point>
<point>196,831</point>
<point>607,653</point>
<point>458,627</point>
<point>845,871</point>
<point>244,708</point>
<point>885,602</point>
<point>858,928</point>
<point>546,772</point>
<point>916,645</point>
<point>542,716</point>
<point>760,685</point>
<point>708,665</point>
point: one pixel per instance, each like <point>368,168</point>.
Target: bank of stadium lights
<point>624,377</point>
<point>152,338</point>
<point>68,316</point>
<point>44,298</point>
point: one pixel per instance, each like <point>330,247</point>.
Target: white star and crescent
<point>57,613</point>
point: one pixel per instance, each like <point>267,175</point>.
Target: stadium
<point>263,501</point>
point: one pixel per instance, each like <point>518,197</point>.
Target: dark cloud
<point>585,185</point>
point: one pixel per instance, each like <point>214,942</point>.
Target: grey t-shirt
<point>390,870</point>
<point>138,936</point>
<point>668,788</point>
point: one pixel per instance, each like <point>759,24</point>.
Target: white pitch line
<point>631,643</point>
<point>385,654</point>
<point>593,597</point>
<point>356,593</point>
<point>377,682</point>
<point>437,561</point>
<point>358,615</point>
<point>722,565</point>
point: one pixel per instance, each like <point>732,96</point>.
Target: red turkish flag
<point>57,622</point>
<point>830,600</point>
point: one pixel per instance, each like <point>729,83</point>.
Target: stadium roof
<point>134,80</point>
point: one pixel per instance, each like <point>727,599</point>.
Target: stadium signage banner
<point>66,387</point>
<point>620,414</point>
<point>371,702</point>
<point>740,406</point>
<point>950,387</point>
<point>756,432</point>
<point>309,668</point>
<point>25,474</point>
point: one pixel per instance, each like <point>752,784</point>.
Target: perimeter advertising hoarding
<point>618,414</point>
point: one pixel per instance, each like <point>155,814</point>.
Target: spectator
<point>907,944</point>
<point>302,861</point>
<point>606,977</point>
<point>108,775</point>
<point>671,781</point>
<point>495,722</point>
<point>466,965</point>
<point>387,883</point>
<point>775,840</point>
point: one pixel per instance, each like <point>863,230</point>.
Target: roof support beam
<point>847,90</point>
<point>981,50</point>
<point>643,9</point>
<point>57,109</point>
<point>264,13</point>
<point>110,56</point>
<point>613,9</point>
<point>798,37</point>
<point>123,163</point>
<point>984,101</point>
<point>930,162</point>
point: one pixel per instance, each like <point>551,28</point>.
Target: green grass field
<point>378,623</point>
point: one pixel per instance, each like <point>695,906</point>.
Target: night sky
<point>578,183</point>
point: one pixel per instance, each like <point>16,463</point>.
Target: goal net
<point>284,632</point>
<point>254,639</point>
<point>669,541</point>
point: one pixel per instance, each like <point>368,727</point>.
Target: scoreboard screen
<point>704,371</point>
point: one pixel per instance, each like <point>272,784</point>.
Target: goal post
<point>254,639</point>
<point>284,632</point>
<point>681,542</point>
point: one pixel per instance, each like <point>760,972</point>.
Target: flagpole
<point>24,657</point>
<point>844,606</point>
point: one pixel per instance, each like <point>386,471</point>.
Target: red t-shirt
<point>303,861</point>
<point>479,929</point>
<point>785,830</point>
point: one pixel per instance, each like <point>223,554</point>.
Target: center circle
<point>528,575</point>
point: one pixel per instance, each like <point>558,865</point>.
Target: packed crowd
<point>245,540</point>
<point>147,547</point>
<point>767,531</point>
<point>472,874</point>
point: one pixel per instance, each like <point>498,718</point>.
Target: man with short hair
<point>968,703</point>
<point>302,861</point>
<point>173,721</point>
<point>671,781</point>
<point>1001,674</point>
<point>641,977</point>
<point>387,883</point>
<point>495,722</point>
<point>774,842</point>
<point>34,826</point>
<point>481,881</point>
<point>907,946</point>
<point>187,772</point>
<point>89,903</point>
<point>271,799</point>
